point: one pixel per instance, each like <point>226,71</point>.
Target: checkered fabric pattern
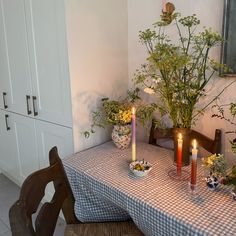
<point>105,190</point>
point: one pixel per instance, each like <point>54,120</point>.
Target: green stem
<point>180,35</point>
<point>197,59</point>
<point>208,104</point>
<point>204,63</point>
<point>189,40</point>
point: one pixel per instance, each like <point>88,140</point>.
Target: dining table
<point>105,189</point>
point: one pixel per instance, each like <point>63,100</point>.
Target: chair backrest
<point>31,194</point>
<point>211,145</point>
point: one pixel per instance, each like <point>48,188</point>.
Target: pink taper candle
<point>133,135</point>
<point>180,154</point>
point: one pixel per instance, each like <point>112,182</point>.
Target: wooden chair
<point>211,145</point>
<point>31,194</point>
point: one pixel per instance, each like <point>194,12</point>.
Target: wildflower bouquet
<point>178,73</point>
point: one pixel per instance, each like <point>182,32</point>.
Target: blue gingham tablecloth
<point>105,190</point>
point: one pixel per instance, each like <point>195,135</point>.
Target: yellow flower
<point>209,162</point>
<point>149,90</point>
<point>124,116</point>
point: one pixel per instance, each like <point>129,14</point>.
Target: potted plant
<point>178,73</point>
<point>216,167</point>
<point>117,113</point>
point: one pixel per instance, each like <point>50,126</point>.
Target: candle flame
<point>133,110</point>
<point>194,143</point>
<point>180,136</point>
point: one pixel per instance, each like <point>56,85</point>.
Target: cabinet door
<point>15,33</point>
<point>48,136</point>
<point>5,89</point>
<point>50,77</point>
<point>26,145</point>
<point>8,147</point>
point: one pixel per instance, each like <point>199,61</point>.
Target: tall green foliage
<point>178,73</point>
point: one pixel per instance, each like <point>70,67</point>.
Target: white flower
<point>192,92</point>
<point>184,101</point>
<point>149,90</point>
<point>175,97</point>
<point>157,80</point>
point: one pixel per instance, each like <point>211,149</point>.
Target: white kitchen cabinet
<point>27,150</point>
<point>35,138</point>
<point>56,56</point>
<point>48,136</point>
<point>35,93</point>
<point>9,164</point>
<point>25,144</point>
<point>34,59</point>
<point>5,89</point>
<point>19,155</point>
<point>49,60</point>
<point>15,55</point>
<point>4,79</point>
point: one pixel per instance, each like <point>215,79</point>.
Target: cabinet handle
<point>6,120</point>
<point>4,94</point>
<point>27,105</point>
<point>34,105</point>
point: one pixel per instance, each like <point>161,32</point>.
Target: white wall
<point>104,52</point>
<point>142,14</point>
<point>98,55</point>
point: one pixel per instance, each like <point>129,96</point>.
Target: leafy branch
<point>178,74</point>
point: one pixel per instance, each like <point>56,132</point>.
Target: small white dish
<point>140,168</point>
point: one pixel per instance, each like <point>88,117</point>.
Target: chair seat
<point>103,229</point>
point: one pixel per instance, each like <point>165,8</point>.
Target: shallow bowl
<point>140,168</point>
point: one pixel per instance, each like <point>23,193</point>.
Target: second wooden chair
<point>166,135</point>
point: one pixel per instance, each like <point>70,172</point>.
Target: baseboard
<point>16,181</point>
